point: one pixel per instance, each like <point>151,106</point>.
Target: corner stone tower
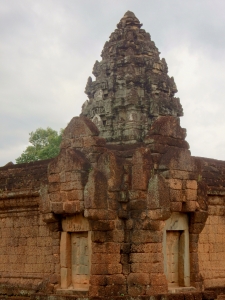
<point>132,87</point>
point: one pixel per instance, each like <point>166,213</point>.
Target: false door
<point>80,260</point>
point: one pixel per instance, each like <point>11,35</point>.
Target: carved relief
<point>98,95</point>
<point>131,62</point>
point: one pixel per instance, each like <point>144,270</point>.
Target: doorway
<point>175,257</point>
<point>176,251</point>
<point>79,260</point>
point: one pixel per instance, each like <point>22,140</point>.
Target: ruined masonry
<point>124,211</point>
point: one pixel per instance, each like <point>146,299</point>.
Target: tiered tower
<point>132,87</point>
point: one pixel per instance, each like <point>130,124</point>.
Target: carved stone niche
<point>75,254</point>
<point>176,252</point>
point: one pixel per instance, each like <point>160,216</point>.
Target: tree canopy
<point>44,144</point>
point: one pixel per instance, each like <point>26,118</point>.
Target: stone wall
<point>118,200</point>
<point>29,250</point>
<point>211,242</point>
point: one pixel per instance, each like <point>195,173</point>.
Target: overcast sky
<point>48,49</point>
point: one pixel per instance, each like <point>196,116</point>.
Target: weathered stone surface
<point>124,209</point>
<point>132,87</point>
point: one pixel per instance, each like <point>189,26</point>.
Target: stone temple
<point>124,211</point>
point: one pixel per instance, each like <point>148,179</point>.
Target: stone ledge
<point>176,296</point>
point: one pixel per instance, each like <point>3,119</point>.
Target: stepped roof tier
<point>132,87</point>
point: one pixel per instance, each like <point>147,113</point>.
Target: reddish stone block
<point>138,204</point>
<point>96,291</point>
<point>108,247</point>
<point>158,280</point>
<point>189,206</point>
<point>191,195</point>
<point>146,236</point>
<point>124,258</point>
<point>71,207</point>
<point>105,258</point>
<point>63,196</point>
<point>54,197</point>
<point>57,207</point>
<point>175,184</point>
<point>53,187</point>
<point>75,195</point>
<point>98,280</point>
<point>156,290</point>
<point>138,279</point>
<point>177,195</point>
<point>100,214</point>
<point>117,279</point>
<point>191,184</point>
<point>115,290</point>
<point>106,269</point>
<point>125,248</point>
<point>118,236</point>
<point>102,225</point>
<point>168,126</point>
<point>101,236</point>
<point>136,290</point>
<point>54,178</point>
<point>176,206</point>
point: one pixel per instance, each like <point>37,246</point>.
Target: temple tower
<point>132,87</point>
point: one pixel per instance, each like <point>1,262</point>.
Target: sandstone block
<point>75,195</point>
<point>175,184</point>
<point>141,267</point>
<point>191,195</point>
<point>105,258</point>
<point>146,236</point>
<point>189,206</point>
<point>98,280</point>
<point>125,248</point>
<point>72,207</point>
<point>99,214</point>
<point>168,126</point>
<point>138,279</point>
<point>138,204</point>
<point>136,290</point>
<point>156,290</point>
<point>102,225</point>
<point>54,178</point>
<point>108,247</point>
<point>158,280</point>
<point>96,291</point>
<point>191,184</point>
<point>176,206</point>
<point>177,195</point>
<point>115,290</point>
<point>54,197</point>
<point>107,269</point>
<point>53,187</point>
<point>117,279</point>
<point>57,207</point>
<point>124,259</point>
<point>118,236</point>
<point>159,214</point>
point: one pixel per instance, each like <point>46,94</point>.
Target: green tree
<point>45,144</point>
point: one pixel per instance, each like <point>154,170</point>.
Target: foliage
<point>45,144</point>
